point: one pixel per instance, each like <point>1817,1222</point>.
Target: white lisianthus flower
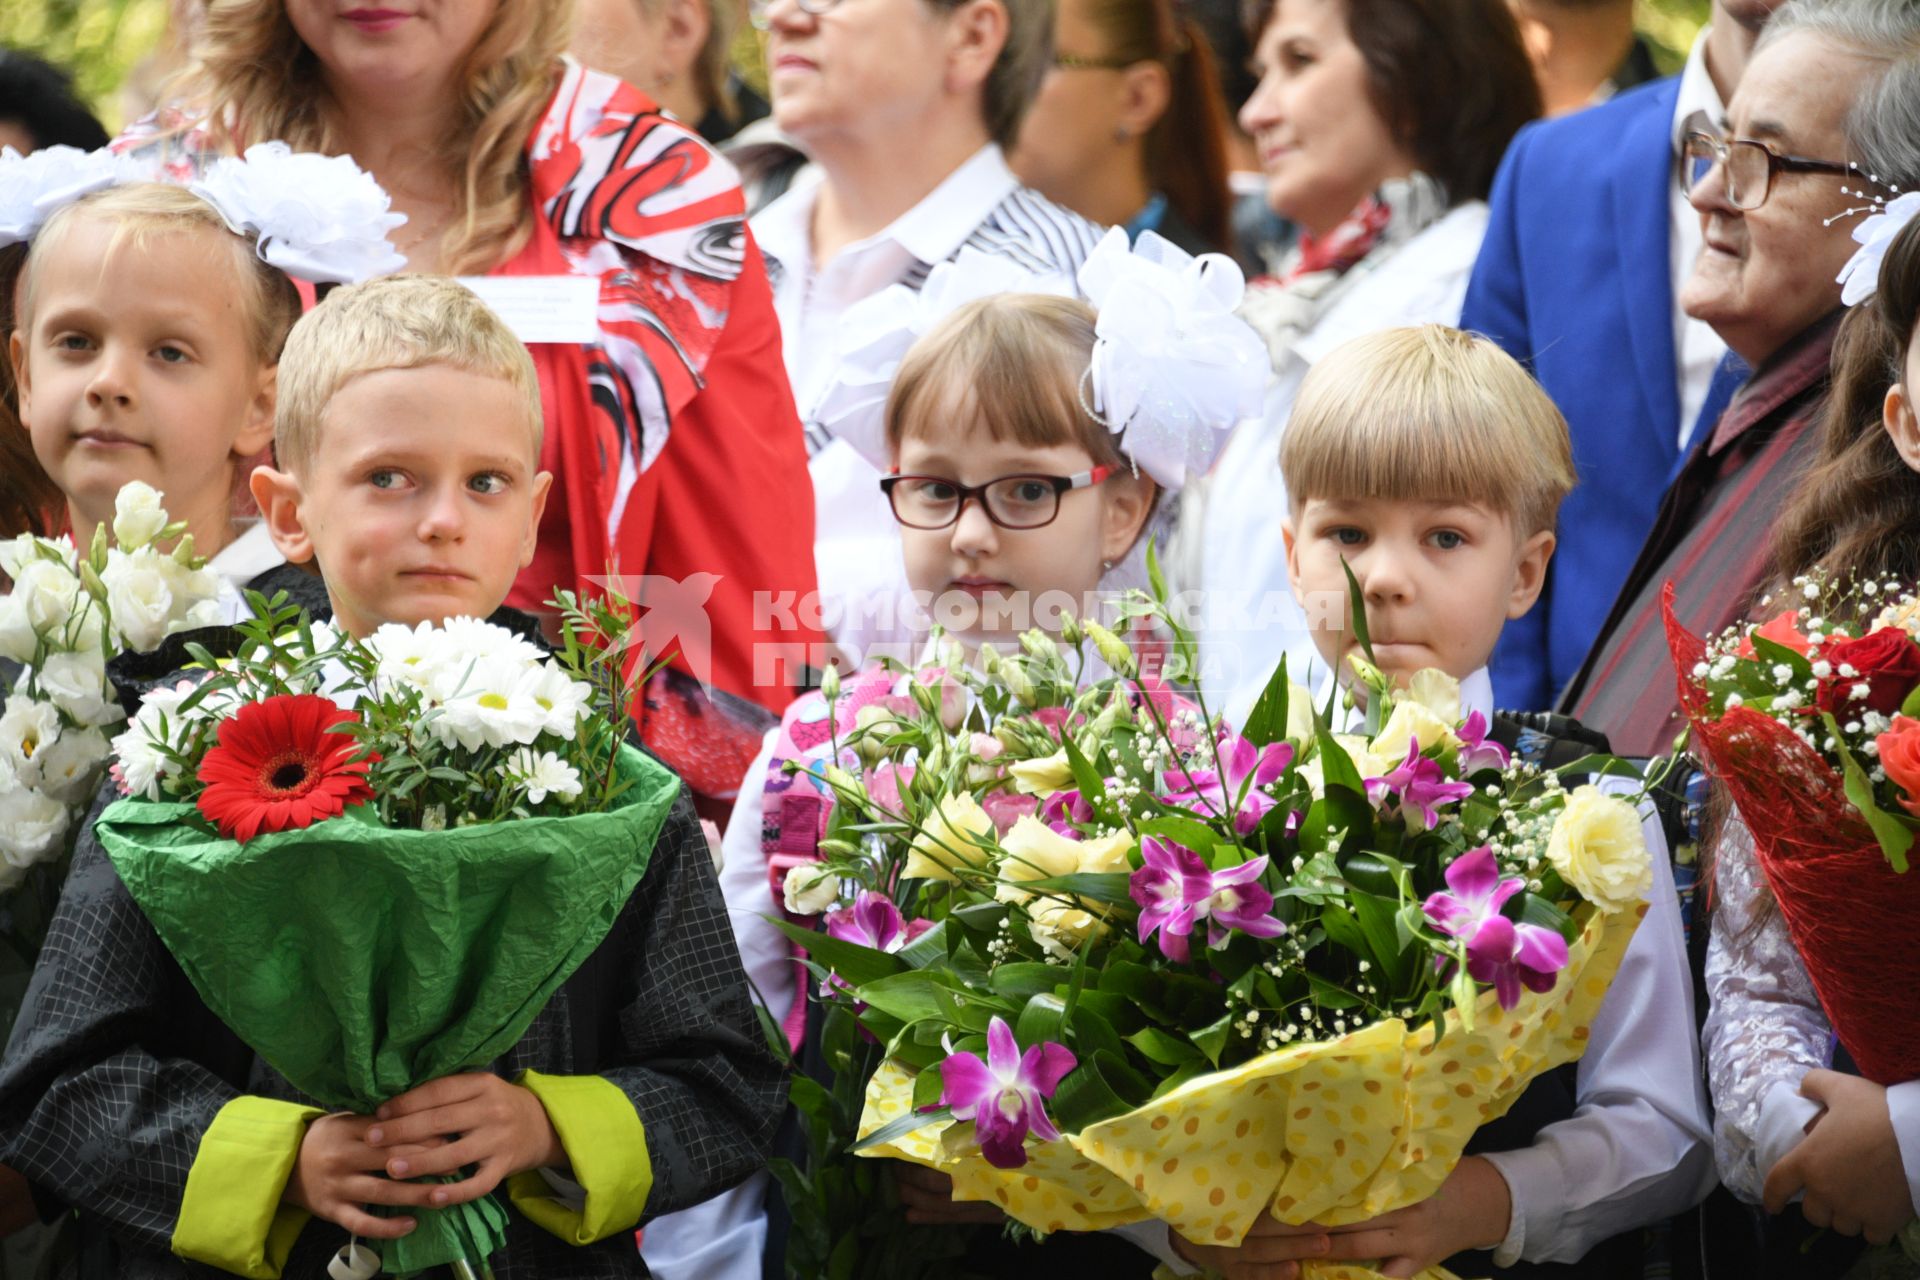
<point>1410,721</point>
<point>31,824</point>
<point>70,768</point>
<point>17,640</point>
<point>1438,692</point>
<point>138,516</point>
<point>77,684</point>
<point>139,598</point>
<point>544,774</point>
<point>50,593</point>
<point>1044,776</point>
<point>950,837</point>
<point>27,730</point>
<point>1598,847</point>
<point>809,889</point>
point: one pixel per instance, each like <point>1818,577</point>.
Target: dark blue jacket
<point>1573,280</point>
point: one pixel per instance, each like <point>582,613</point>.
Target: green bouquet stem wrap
<point>361,961</point>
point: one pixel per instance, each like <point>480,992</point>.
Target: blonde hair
<point>1429,414</point>
<point>253,79</point>
<point>139,212</point>
<point>1012,363</point>
<point>396,322</point>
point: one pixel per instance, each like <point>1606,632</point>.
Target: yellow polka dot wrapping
<point>1334,1132</point>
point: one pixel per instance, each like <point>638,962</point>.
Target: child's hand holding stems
<point>347,1162</point>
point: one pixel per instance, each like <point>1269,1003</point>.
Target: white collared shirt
<point>864,595</point>
<point>1696,347</point>
<point>240,562</point>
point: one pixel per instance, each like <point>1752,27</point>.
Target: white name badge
<point>543,308</point>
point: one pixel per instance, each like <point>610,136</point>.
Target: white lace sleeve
<point>1765,1027</point>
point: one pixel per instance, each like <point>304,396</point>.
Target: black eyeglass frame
<point>1698,144</point>
<point>1062,485</point>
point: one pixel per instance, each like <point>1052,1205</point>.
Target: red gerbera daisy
<point>277,767</point>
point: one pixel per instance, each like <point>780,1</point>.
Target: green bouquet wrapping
<point>377,859</point>
<point>361,961</point>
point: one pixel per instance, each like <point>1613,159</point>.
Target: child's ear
<point>277,494</point>
<point>1902,424</point>
<point>1293,556</point>
<point>542,483</point>
<point>258,432</point>
<point>1129,501</point>
<point>17,356</point>
<point>1530,571</point>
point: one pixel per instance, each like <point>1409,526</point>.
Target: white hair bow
<point>34,186</point>
<point>1861,276</point>
<point>877,332</point>
<point>1174,367</point>
<point>320,218</point>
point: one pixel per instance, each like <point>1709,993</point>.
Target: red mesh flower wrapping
<point>1853,918</point>
<point>279,767</point>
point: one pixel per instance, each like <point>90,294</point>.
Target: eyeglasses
<point>1012,502</point>
<point>1749,166</point>
<point>757,10</point>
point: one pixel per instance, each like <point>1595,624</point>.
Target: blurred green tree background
<point>103,41</point>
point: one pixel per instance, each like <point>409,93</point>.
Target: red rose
<point>1900,757</point>
<point>1781,630</point>
<point>1887,661</point>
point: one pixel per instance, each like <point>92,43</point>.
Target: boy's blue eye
<point>1448,540</point>
<point>1347,536</point>
<point>171,355</point>
<point>489,482</point>
<point>383,479</point>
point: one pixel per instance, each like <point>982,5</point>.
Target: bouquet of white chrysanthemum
<point>65,618</point>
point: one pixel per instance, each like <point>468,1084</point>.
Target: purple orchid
<point>1005,1095</point>
<point>1243,768</point>
<point>1175,891</point>
<point>1064,808</point>
<point>1508,955</point>
<point>873,921</point>
<point>1419,784</point>
<point>1476,753</point>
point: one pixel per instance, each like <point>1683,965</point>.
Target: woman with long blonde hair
<point>671,433</point>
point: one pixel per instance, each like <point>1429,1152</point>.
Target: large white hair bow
<point>1861,276</point>
<point>877,332</point>
<point>33,186</point>
<point>1173,367</point>
<point>321,218</point>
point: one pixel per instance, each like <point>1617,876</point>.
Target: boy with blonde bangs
<point>408,433</point>
<point>407,436</point>
<point>1432,465</point>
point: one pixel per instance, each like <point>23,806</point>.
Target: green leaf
<point>1376,916</point>
<point>1188,832</point>
<point>1336,766</point>
<point>1212,1038</point>
<point>1268,721</point>
<point>853,962</point>
<point>926,1089</point>
<point>1192,1071</point>
<point>929,948</point>
<point>1095,886</point>
<point>1085,777</point>
<point>1357,604</point>
<point>1043,1019</point>
<point>1157,1046</point>
<point>1025,979</point>
<point>1330,995</point>
<point>1894,835</point>
<point>900,1127</point>
<point>907,996</point>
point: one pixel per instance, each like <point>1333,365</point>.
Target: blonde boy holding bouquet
<point>407,436</point>
<point>1432,466</point>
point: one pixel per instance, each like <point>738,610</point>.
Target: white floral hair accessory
<point>33,186</point>
<point>1861,276</point>
<point>1174,367</point>
<point>320,218</point>
<point>877,332</point>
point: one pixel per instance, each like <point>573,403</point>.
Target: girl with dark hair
<point>1129,128</point>
<point>1791,1122</point>
<point>1379,125</point>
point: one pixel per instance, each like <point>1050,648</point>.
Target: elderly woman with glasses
<point>1816,134</point>
<point>660,380</point>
